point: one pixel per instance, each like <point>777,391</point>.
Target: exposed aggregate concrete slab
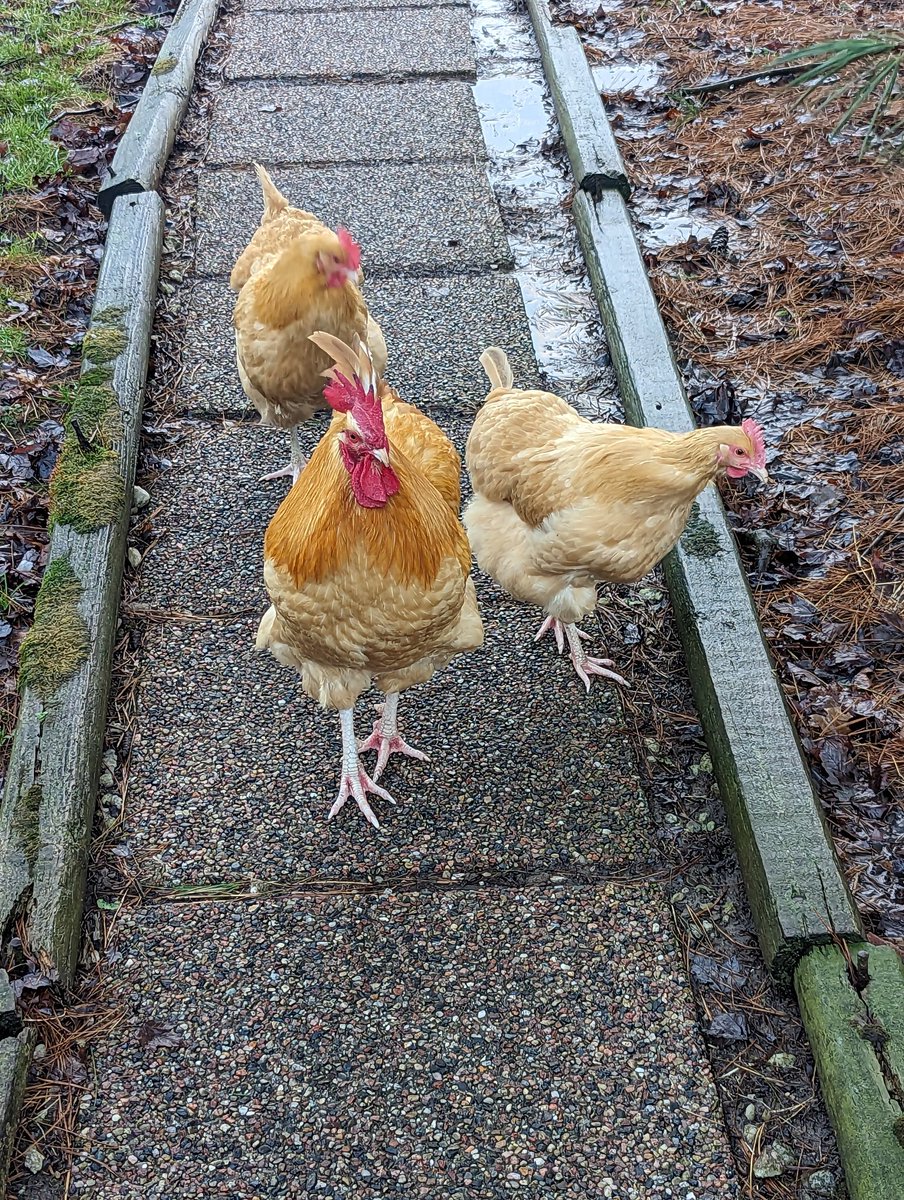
<point>418,219</point>
<point>436,330</point>
<point>466,1045</point>
<point>338,5</point>
<point>236,769</point>
<point>334,123</point>
<point>375,42</point>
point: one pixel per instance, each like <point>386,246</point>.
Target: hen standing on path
<point>294,277</point>
<point>367,564</point>
<point>561,502</point>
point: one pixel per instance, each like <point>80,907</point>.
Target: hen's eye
<point>738,450</point>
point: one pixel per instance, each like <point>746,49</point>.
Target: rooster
<point>367,564</point>
<point>294,277</point>
<point>561,502</point>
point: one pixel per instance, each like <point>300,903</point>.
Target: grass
<point>13,343</point>
<point>48,62</point>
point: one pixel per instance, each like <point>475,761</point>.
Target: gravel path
<point>486,997</point>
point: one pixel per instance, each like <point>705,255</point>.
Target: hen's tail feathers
<point>274,201</point>
<point>496,364</point>
<point>349,361</point>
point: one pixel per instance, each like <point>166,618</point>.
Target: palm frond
<point>860,71</point>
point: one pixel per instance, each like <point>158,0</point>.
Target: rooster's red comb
<point>755,433</point>
<point>351,248</point>
<point>343,394</point>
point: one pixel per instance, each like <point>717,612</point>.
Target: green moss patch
<point>699,538</point>
<point>26,821</point>
<point>57,643</point>
<point>103,343</point>
<point>87,490</point>
<point>164,65</point>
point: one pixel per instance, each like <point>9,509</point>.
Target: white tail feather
<point>496,364</point>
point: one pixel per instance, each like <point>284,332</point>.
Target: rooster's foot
<point>358,785</point>
<point>355,781</point>
<point>584,665</point>
<point>386,739</point>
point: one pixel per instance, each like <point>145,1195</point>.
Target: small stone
<point>39,1052</point>
<point>822,1183</point>
<point>773,1161</point>
<point>134,557</point>
<point>750,1133</point>
<point>34,1159</point>
<point>106,780</point>
<point>110,760</point>
<point>784,1062</point>
<point>140,498</point>
<point>750,1112</point>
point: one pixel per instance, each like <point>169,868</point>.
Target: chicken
<point>561,502</point>
<point>295,277</point>
<point>367,564</point>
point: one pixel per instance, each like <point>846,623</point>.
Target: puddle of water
<point>657,228</point>
<point>621,78</point>
<point>532,190</point>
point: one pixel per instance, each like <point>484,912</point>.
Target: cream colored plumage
<point>295,276</point>
<point>561,502</point>
<point>377,594</point>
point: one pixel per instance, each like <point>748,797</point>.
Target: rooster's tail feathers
<point>496,364</point>
<point>274,201</point>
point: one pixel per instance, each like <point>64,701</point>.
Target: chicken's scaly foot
<point>293,469</point>
<point>386,739</point>
<point>558,629</point>
<point>355,781</point>
<point>296,464</point>
<point>584,665</point>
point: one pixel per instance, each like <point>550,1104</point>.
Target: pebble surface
<point>518,1021</point>
<point>473,1046</point>
<point>464,232</point>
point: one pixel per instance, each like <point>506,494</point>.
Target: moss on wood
<point>57,643</point>
<point>103,343</point>
<point>699,538</point>
<point>164,65</point>
<point>25,822</point>
<point>87,490</point>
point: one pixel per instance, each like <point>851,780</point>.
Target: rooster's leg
<point>583,663</point>
<point>297,460</point>
<point>386,739</point>
<point>355,781</point>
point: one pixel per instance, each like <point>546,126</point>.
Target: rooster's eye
<point>738,450</point>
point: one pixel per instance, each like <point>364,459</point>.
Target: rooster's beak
<point>382,456</point>
<point>761,473</point>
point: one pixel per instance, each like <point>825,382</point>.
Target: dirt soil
<point>777,256</point>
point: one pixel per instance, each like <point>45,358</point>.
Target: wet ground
<point>493,995</point>
<point>775,250</point>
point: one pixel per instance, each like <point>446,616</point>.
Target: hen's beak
<point>761,474</point>
<point>382,456</point>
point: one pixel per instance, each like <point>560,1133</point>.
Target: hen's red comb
<point>755,433</point>
<point>351,248</point>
